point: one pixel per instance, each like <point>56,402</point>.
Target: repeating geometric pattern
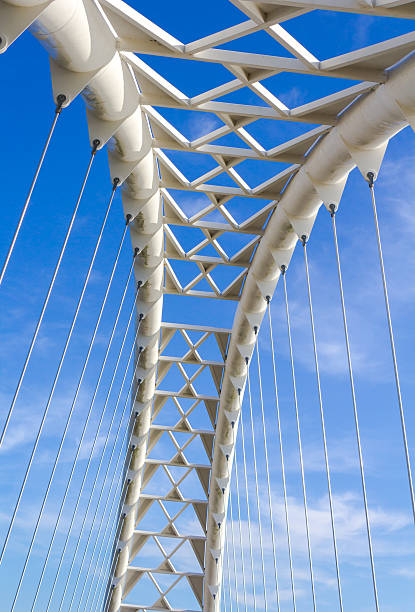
<point>179,455</point>
<point>200,240</point>
<point>197,244</point>
<point>249,71</point>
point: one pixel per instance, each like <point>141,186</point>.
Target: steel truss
<point>122,90</point>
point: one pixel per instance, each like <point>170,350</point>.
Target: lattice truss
<point>200,247</point>
<point>210,250</point>
<point>171,519</point>
<point>211,232</point>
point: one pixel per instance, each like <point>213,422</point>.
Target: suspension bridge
<point>206,293</point>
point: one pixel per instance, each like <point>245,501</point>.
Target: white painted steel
<point>85,58</point>
<point>366,128</point>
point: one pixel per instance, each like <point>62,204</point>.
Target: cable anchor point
<point>332,210</point>
<point>304,239</point>
<point>116,181</point>
<point>371,179</point>
<point>283,269</point>
<point>60,101</point>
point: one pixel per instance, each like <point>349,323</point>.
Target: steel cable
<point>233,550</point>
<point>248,511</point>
<point>300,447</point>
<point>128,430</point>
<point>74,400</point>
<point>228,571</point>
<point>110,460</point>
<point>284,484</point>
<point>355,414</point>
<point>60,101</point>
<point>40,429</point>
<point>323,426</point>
<point>97,385</point>
<point>240,531</point>
<point>392,344</point>
<point>271,517</point>
<point>45,497</point>
<point>44,306</point>
<point>91,494</point>
<point>261,544</point>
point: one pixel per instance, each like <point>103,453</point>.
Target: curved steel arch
<point>91,45</point>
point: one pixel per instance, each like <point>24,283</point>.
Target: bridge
<point>207,305</point>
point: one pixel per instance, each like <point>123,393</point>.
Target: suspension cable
<point>356,417</point>
<point>97,385</point>
<point>45,303</point>
<point>75,397</point>
<point>323,426</point>
<point>115,526</point>
<point>39,432</point>
<point>115,469</point>
<point>90,497</point>
<point>284,484</point>
<point>392,343</point>
<point>45,497</point>
<point>60,101</point>
<point>300,447</point>
<point>228,570</point>
<point>261,544</point>
<point>91,494</point>
<point>264,433</point>
<point>248,511</point>
<point>240,531</point>
<point>233,549</point>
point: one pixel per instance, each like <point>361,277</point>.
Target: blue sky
<point>26,113</point>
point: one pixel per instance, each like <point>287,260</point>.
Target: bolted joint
<point>268,299</point>
<point>304,239</point>
<point>136,252</point>
<point>60,101</point>
<point>128,219</point>
<point>332,209</point>
<point>255,329</point>
<point>115,183</point>
<point>95,144</point>
<point>140,316</point>
<point>283,269</point>
<point>371,179</point>
<point>247,360</point>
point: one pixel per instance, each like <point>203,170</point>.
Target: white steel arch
<point>92,46</point>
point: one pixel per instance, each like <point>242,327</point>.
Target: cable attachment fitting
<point>95,144</point>
<point>371,179</point>
<point>140,316</point>
<point>268,299</point>
<point>332,210</point>
<point>247,360</point>
<point>136,252</point>
<point>283,269</point>
<point>239,391</point>
<point>115,183</point>
<point>304,239</point>
<point>128,219</point>
<point>60,101</point>
<point>256,330</point>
